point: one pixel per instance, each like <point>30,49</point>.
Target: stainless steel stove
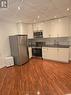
<point>37,51</point>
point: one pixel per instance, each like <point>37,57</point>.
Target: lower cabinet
<point>52,53</point>
<point>44,52</point>
<point>63,54</point>
<point>30,52</point>
<point>56,54</point>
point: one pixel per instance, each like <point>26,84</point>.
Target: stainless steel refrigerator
<point>19,49</point>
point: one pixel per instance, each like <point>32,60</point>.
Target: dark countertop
<point>53,46</point>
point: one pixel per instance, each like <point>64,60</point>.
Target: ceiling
<point>31,9</point>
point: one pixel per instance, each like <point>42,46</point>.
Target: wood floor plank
<point>36,77</point>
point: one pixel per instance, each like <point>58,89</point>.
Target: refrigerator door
<point>14,48</point>
<point>23,49</point>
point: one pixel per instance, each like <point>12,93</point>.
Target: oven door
<point>37,52</point>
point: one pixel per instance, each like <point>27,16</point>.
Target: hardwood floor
<point>37,77</point>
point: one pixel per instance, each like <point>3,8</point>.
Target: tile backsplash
<point>51,41</point>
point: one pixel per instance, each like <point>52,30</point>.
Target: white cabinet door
<point>52,53</point>
<point>57,28</point>
<point>38,26</point>
<point>47,30</point>
<point>49,53</point>
<point>30,31</point>
<point>63,54</point>
<point>56,54</point>
<point>70,53</point>
<point>30,52</point>
<point>46,34</point>
<point>44,52</point>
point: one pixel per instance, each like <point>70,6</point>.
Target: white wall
<point>6,29</point>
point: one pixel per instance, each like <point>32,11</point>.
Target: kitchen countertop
<point>53,46</point>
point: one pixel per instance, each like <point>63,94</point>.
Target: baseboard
<point>49,60</point>
<point>36,57</point>
<point>55,61</point>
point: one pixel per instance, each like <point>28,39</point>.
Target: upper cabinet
<point>60,27</point>
<point>56,54</point>
<point>38,26</point>
<point>30,31</point>
<point>41,26</point>
<point>47,29</point>
<point>70,26</point>
<point>57,27</point>
<point>53,28</point>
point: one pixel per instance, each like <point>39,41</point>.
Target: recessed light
<point>54,16</point>
<point>68,9</point>
<point>18,7</point>
<point>59,20</point>
<point>38,17</point>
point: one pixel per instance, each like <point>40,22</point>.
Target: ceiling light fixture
<point>68,9</point>
<point>18,7</point>
<point>54,16</point>
<point>38,17</point>
<point>59,20</point>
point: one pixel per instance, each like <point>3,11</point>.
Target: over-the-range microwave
<point>38,34</point>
